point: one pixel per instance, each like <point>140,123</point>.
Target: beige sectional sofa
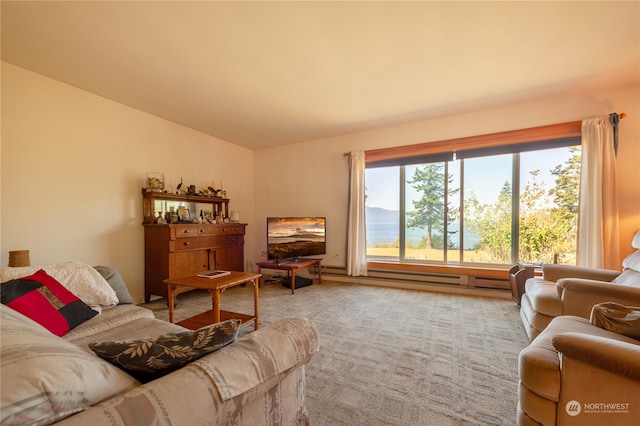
<point>258,379</point>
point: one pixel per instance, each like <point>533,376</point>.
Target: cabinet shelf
<point>149,198</point>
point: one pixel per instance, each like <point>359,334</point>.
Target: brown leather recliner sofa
<point>575,373</point>
<point>573,290</point>
<point>583,364</point>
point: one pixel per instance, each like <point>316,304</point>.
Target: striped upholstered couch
<point>258,379</point>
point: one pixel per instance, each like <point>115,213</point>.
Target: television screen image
<point>293,237</point>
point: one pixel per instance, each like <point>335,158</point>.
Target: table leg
<point>216,305</point>
<point>319,273</point>
<point>170,301</point>
<point>260,272</point>
<point>256,284</point>
<point>293,281</point>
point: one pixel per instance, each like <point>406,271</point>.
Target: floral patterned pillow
<point>149,358</point>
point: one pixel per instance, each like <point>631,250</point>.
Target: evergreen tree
<point>429,211</point>
<point>567,186</point>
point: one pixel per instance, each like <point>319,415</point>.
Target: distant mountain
<point>378,215</point>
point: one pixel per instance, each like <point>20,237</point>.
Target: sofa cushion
<point>118,316</point>
<point>45,378</point>
<point>43,299</point>
<point>632,261</point>
<point>114,279</point>
<point>628,277</point>
<point>80,279</point>
<point>150,358</point>
<point>140,328</point>
<point>543,296</point>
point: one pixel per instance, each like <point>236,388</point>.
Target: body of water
<point>389,232</point>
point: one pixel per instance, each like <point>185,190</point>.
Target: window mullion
<point>515,209</point>
<point>445,234</point>
<point>461,211</point>
<point>401,242</point>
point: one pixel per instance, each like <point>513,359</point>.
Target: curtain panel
<point>598,236</point>
<point>356,232</point>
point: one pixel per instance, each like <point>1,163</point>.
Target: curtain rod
<point>615,118</point>
<point>620,116</point>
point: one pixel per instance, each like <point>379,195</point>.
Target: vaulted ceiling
<point>262,74</point>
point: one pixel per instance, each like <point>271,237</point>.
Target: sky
<point>486,178</point>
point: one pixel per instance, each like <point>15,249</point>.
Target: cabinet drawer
<point>207,241</point>
<point>178,231</point>
<point>184,231</point>
<point>226,229</point>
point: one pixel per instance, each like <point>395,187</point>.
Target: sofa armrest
<point>553,272</point>
<point>265,359</point>
<point>579,295</point>
<point>267,353</point>
<point>618,357</point>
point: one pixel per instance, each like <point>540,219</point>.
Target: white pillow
<point>635,243</point>
<point>80,279</point>
<point>632,261</point>
<point>45,378</point>
<point>628,277</point>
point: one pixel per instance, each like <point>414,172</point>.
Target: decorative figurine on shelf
<point>179,186</point>
<point>154,181</point>
<point>191,190</point>
<point>161,220</point>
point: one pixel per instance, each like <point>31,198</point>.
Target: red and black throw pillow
<point>43,299</point>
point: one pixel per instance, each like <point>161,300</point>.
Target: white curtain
<point>356,236</point>
<point>598,238</point>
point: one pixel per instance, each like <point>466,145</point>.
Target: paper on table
<point>214,274</point>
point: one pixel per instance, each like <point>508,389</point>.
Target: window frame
<point>513,141</point>
<point>385,157</point>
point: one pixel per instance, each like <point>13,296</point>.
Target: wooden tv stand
<point>291,266</point>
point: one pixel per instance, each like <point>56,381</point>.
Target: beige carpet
<point>395,357</point>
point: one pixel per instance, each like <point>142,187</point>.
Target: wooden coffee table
<point>215,286</point>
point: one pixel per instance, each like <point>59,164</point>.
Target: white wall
<point>312,178</point>
<point>73,166</point>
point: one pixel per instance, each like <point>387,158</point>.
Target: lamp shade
<point>19,258</point>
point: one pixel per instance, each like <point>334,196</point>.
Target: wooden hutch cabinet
<point>183,249</point>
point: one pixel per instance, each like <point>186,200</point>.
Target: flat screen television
<point>294,237</point>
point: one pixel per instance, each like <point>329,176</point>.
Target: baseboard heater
<point>413,277</point>
<point>418,278</point>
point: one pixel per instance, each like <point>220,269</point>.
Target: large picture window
<point>482,206</point>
